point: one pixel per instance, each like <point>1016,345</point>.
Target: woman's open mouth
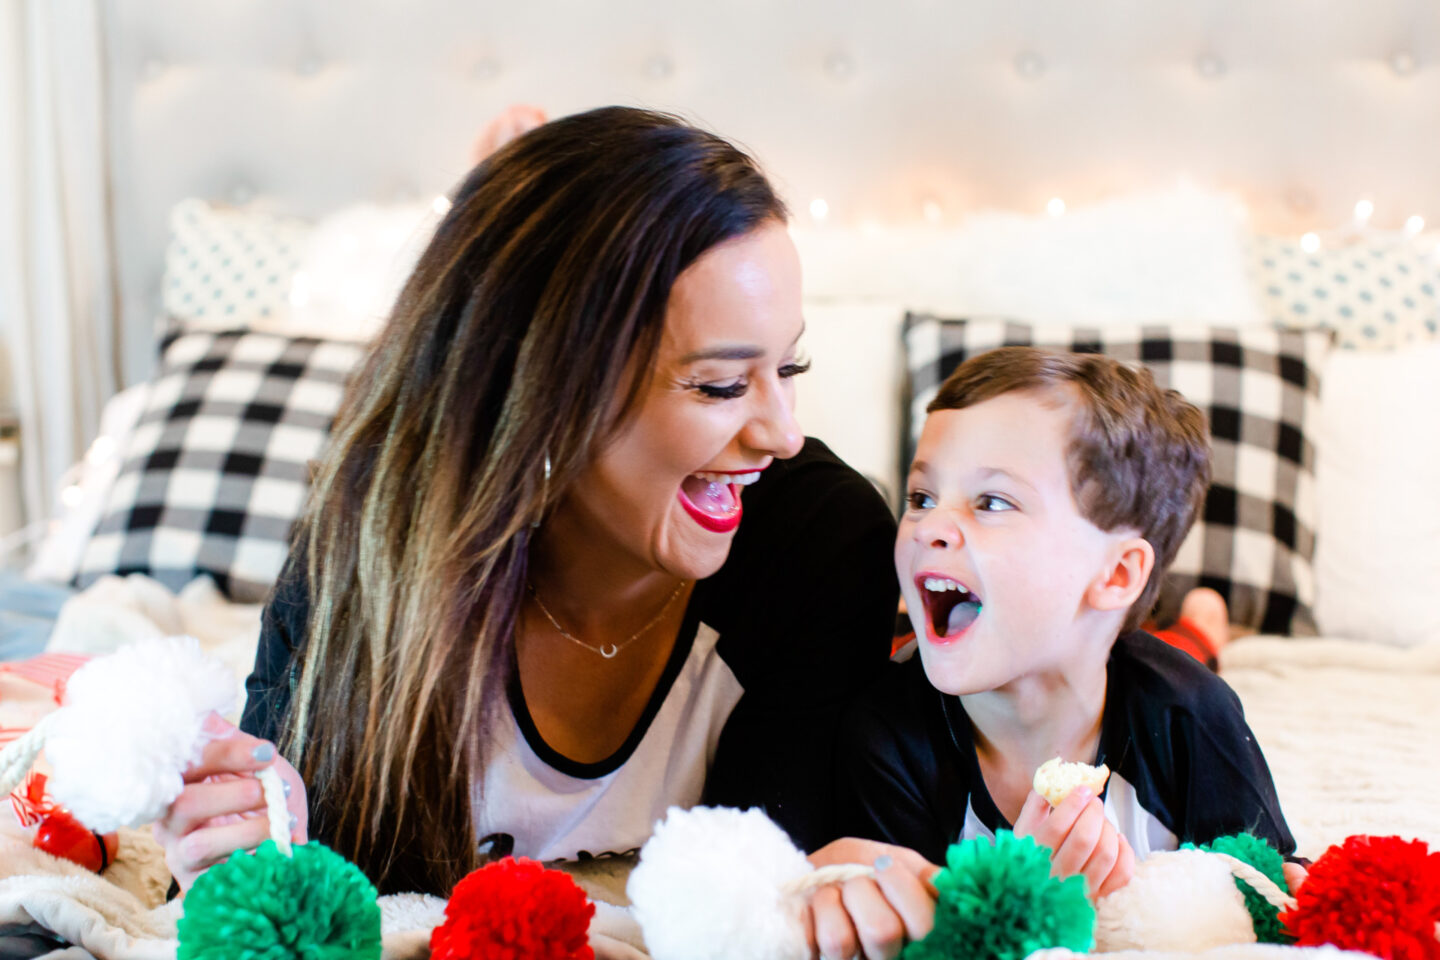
<point>950,607</point>
<point>713,499</point>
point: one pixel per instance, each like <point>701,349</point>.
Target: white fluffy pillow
<point>1377,548</point>
<point>1176,257</point>
<point>852,396</point>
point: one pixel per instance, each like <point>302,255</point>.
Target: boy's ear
<point>1123,581</point>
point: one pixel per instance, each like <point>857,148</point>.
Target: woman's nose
<point>773,428</point>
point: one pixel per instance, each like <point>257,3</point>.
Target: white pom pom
<point>708,888</point>
<point>1177,900</point>
<point>132,722</point>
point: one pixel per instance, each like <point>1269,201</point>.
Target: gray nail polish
<point>286,785</point>
<point>294,821</point>
<point>884,862</point>
<point>263,753</point>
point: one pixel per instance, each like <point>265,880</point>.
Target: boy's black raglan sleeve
<point>1228,788</point>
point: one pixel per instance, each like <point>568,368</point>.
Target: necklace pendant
<point>608,650</point>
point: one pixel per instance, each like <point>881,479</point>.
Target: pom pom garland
<point>515,909</point>
<point>721,884</point>
<point>1379,895</point>
<point>131,723</point>
<point>1183,900</point>
<point>1250,849</point>
<point>999,902</point>
<point>266,906</point>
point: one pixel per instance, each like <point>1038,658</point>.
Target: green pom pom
<point>1265,858</point>
<point>267,906</point>
<point>999,902</point>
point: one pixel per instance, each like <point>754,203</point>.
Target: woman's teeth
<point>939,584</point>
<point>739,479</point>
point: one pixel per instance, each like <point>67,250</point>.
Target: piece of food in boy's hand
<point>1056,779</point>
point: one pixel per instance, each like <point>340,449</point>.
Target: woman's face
<point>718,409</point>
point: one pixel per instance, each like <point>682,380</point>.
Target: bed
<point>1009,175</point>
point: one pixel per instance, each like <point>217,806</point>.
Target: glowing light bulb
<point>441,205</point>
<point>1414,224</point>
<point>1363,210</point>
<point>1310,242</point>
<point>819,209</point>
<point>1056,207</point>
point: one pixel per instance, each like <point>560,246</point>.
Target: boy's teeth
<point>941,584</point>
<point>739,479</point>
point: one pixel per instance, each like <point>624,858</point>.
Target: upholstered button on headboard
<point>863,111</point>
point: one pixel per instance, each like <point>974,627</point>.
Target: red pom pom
<point>515,910</point>
<point>1378,895</point>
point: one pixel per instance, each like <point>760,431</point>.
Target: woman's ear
<point>1120,585</point>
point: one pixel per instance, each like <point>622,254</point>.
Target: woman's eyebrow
<point>723,353</point>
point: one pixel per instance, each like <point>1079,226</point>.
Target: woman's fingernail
<point>286,785</point>
<point>294,821</point>
<point>884,862</point>
<point>263,753</point>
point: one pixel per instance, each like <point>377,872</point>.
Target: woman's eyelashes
<point>731,390</point>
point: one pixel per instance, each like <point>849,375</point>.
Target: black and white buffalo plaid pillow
<point>216,471</point>
<point>1259,387</point>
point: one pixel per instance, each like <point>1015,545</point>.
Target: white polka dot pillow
<point>1377,295</point>
<point>228,268</point>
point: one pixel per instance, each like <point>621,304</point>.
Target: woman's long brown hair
<point>510,343</point>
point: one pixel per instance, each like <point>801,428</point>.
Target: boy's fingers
<point>1123,870</point>
<point>1079,841</point>
<point>1102,860</point>
<point>1032,814</point>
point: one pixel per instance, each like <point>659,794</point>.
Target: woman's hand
<point>1295,875</point>
<point>222,807</point>
<point>871,918</point>
<point>1081,840</point>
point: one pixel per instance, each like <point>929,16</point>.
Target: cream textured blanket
<point>1350,731</point>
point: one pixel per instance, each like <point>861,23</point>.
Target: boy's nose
<point>940,530</point>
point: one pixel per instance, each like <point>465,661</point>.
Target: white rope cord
<point>815,879</point>
<point>275,808</point>
<point>17,758</point>
<point>1261,884</point>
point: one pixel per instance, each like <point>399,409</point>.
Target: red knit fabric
<point>515,910</point>
<point>1378,895</point>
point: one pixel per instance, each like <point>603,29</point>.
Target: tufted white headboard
<point>889,111</point>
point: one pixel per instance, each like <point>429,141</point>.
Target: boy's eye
<point>723,391</point>
<point>919,500</point>
<point>989,503</point>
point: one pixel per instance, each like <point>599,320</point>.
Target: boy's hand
<point>1081,840</point>
<point>871,918</point>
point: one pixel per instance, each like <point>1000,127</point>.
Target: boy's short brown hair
<point>1139,456</point>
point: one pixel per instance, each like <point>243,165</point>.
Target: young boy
<point>1048,495</point>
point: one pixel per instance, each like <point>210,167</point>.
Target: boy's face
<point>993,556</point>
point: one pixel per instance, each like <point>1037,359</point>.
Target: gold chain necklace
<point>606,650</point>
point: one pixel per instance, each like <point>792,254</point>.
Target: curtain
<point>57,287</point>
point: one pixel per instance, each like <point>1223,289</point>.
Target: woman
<point>523,614</point>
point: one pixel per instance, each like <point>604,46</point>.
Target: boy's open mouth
<point>950,607</point>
